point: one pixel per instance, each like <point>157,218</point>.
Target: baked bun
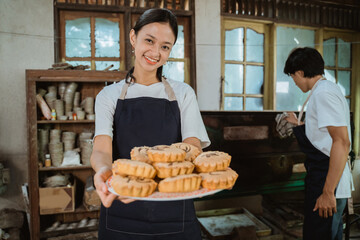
<point>172,169</point>
<point>132,186</point>
<point>164,153</point>
<point>191,151</point>
<point>126,167</point>
<point>181,183</point>
<point>212,161</point>
<point>219,180</point>
<point>140,154</point>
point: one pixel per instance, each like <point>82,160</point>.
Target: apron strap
<point>124,91</point>
<point>307,99</point>
<point>168,89</point>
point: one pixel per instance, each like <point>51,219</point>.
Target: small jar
<point>47,160</point>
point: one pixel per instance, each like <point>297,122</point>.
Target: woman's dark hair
<point>155,15</point>
<point>306,59</point>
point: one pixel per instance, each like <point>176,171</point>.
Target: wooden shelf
<point>83,167</point>
<point>90,83</point>
<point>64,121</point>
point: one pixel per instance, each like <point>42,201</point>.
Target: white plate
<point>159,196</point>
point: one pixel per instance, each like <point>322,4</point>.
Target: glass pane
<point>233,103</point>
<point>174,71</point>
<point>77,63</point>
<point>344,82</point>
<point>330,75</point>
<point>234,44</point>
<point>344,54</point>
<point>254,46</point>
<point>104,64</point>
<point>288,95</point>
<point>254,79</point>
<point>178,50</point>
<point>77,35</point>
<point>254,104</point>
<point>329,52</point>
<point>234,74</point>
<point>107,38</point>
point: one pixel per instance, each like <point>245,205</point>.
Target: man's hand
<point>326,204</point>
<point>292,118</point>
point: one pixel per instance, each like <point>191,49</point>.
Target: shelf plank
<point>83,167</point>
<point>64,121</point>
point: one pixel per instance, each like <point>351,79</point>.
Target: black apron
<point>317,166</point>
<point>147,121</point>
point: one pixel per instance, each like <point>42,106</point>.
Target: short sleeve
<point>330,110</point>
<point>104,114</point>
<point>192,124</point>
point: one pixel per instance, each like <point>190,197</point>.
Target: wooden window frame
<point>114,17</point>
<point>128,12</point>
<point>263,28</point>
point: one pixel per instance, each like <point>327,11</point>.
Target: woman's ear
<point>132,37</point>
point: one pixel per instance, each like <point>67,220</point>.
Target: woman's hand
<point>100,178</point>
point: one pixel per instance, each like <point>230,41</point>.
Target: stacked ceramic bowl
<point>85,139</point>
<point>68,138</point>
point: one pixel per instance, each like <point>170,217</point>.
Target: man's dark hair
<point>306,59</point>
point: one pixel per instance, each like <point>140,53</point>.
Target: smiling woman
<point>146,109</point>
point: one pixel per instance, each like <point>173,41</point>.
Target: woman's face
<point>152,45</point>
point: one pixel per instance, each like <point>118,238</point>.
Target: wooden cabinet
<point>89,84</point>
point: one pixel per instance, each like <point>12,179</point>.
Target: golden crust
<point>191,151</point>
<point>212,161</point>
<point>140,154</point>
<point>132,186</point>
<point>126,167</point>
<point>164,153</point>
<point>172,169</point>
<point>219,179</point>
<point>181,183</point>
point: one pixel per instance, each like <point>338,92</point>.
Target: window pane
<point>104,64</point>
<point>344,82</point>
<point>178,50</point>
<point>174,71</point>
<point>348,101</point>
<point>254,104</point>
<point>234,78</point>
<point>233,103</point>
<point>77,63</point>
<point>329,52</point>
<point>77,34</point>
<point>330,75</point>
<point>234,44</point>
<point>344,54</point>
<point>107,42</point>
<point>254,79</point>
<point>254,46</point>
<point>288,96</point>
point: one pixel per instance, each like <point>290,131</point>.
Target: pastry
<point>212,161</point>
<point>181,183</point>
<point>164,153</point>
<point>191,151</point>
<point>172,169</point>
<point>219,180</point>
<point>133,186</point>
<point>140,154</point>
<point>126,167</point>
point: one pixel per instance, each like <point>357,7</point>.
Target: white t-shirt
<point>327,106</point>
<point>192,124</point>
